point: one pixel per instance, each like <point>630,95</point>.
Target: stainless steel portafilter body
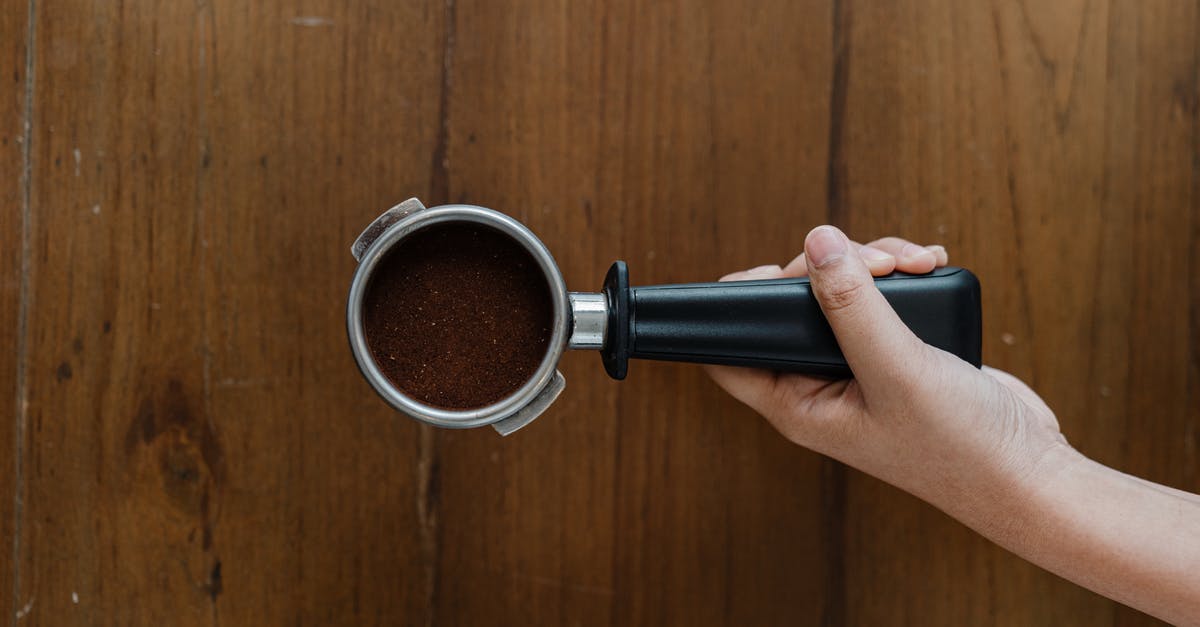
<point>579,318</point>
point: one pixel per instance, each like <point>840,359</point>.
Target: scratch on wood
<point>232,382</point>
<point>22,384</point>
<point>311,21</point>
<point>205,38</point>
<point>558,584</point>
<point>24,611</point>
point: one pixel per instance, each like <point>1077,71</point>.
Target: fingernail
<point>873,254</point>
<point>912,250</point>
<point>825,245</point>
<point>767,269</point>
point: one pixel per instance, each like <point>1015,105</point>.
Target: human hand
<point>978,444</point>
<point>914,416</point>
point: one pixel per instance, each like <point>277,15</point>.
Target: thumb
<point>878,346</point>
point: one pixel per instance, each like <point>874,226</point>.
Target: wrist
<point>1114,534</point>
<point>1025,493</point>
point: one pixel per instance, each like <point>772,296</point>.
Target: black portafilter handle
<point>777,323</point>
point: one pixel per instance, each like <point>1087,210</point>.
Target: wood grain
<point>196,424</point>
<point>328,514</point>
<point>198,447</point>
<point>1051,147</point>
<point>14,76</point>
<point>521,134</point>
<point>124,459</point>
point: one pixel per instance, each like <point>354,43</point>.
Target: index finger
<point>879,262</point>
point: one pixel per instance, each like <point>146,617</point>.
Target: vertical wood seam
<point>715,169</point>
<point>428,482</point>
<point>21,384</point>
<point>835,174</point>
<point>714,154</point>
<point>1194,259</point>
<point>428,471</point>
<point>833,473</point>
<point>614,576</point>
<point>439,170</point>
<point>205,19</point>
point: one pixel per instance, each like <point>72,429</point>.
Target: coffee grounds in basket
<point>458,315</point>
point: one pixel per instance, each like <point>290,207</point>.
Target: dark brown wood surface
<point>191,444</point>
<point>14,30</point>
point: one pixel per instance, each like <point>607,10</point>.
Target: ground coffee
<point>458,315</point>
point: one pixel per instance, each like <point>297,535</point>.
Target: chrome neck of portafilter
<point>589,320</point>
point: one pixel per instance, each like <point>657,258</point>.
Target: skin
<point>978,444</point>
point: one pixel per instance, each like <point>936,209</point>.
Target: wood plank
<point>14,43</point>
<point>201,447</point>
<point>320,116</point>
<point>1119,381</point>
<point>657,498</point>
<point>122,457</point>
<point>915,102</point>
<point>526,521</point>
<point>1159,80</point>
<point>722,519</point>
<point>1019,139</point>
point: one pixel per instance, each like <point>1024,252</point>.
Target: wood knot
<point>174,454</point>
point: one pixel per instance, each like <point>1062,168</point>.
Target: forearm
<point>977,443</point>
<point>1186,496</point>
<point>1122,537</point>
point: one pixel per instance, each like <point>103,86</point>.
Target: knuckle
<point>823,419</point>
<point>889,242</point>
<point>838,293</point>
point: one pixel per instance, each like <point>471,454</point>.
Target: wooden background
<point>190,443</point>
